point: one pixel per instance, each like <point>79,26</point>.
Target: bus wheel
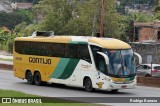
<point>29,77</point>
<point>88,85</point>
<point>114,91</point>
<point>147,75</point>
<point>37,79</point>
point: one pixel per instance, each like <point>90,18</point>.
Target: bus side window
<point>58,50</point>
<point>35,48</point>
<point>27,48</point>
<point>19,47</point>
<point>71,50</point>
<point>83,52</point>
<point>45,51</point>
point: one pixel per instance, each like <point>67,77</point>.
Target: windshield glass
<point>121,62</point>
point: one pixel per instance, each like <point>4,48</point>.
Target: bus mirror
<point>139,57</point>
<point>105,57</point>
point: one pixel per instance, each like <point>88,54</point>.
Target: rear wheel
<point>88,85</point>
<point>37,79</point>
<point>29,77</point>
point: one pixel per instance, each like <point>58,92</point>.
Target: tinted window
<point>140,67</point>
<point>71,50</point>
<point>26,49</point>
<point>83,52</point>
<point>77,51</point>
<point>18,47</point>
<point>157,67</point>
<point>46,49</point>
<point>58,50</point>
<point>95,49</point>
<point>35,48</point>
<point>146,67</point>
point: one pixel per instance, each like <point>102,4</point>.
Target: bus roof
<point>109,43</point>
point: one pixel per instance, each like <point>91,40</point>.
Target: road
<point>6,57</point>
<point>9,82</point>
<point>6,62</point>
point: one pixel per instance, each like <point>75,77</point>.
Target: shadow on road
<point>97,91</point>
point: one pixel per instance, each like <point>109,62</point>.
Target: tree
<point>140,17</point>
<point>114,25</point>
<point>57,14</point>
<point>134,17</point>
<point>156,11</point>
<point>79,18</point>
<point>10,20</point>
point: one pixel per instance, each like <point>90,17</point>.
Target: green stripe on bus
<point>69,69</point>
<point>60,68</point>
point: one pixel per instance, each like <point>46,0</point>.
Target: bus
<point>88,62</point>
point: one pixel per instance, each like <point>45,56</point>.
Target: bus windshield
<point>121,62</point>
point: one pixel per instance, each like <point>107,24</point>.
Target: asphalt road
<point>9,82</point>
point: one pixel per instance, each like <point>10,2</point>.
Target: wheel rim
<point>37,78</point>
<point>29,77</point>
<point>88,85</point>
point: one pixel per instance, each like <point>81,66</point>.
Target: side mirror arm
<point>139,57</point>
<point>105,57</point>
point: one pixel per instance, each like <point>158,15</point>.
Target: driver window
<point>95,49</point>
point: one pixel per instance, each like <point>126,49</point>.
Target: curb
<point>6,66</point>
<point>148,81</point>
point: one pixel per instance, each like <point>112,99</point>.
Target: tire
<point>37,79</point>
<point>147,75</point>
<point>29,77</point>
<point>88,85</point>
<point>114,91</point>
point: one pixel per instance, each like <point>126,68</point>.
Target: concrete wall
<point>148,52</point>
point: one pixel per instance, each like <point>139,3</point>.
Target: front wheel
<point>114,91</point>
<point>88,85</point>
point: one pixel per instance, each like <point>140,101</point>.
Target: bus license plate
<point>124,86</point>
<point>118,79</point>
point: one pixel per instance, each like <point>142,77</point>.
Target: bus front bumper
<point>113,86</point>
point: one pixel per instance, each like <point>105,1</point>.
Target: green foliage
<point>156,11</point>
<point>140,17</point>
<point>25,30</point>
<point>79,18</point>
<point>10,20</point>
<point>114,25</point>
<point>20,27</point>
